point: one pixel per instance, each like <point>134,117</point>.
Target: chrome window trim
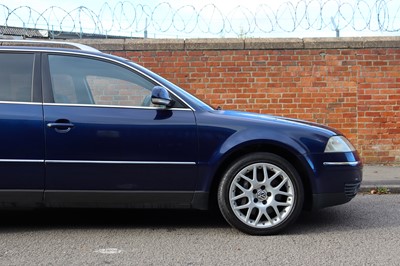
<point>341,163</point>
<point>119,162</point>
<point>11,102</point>
<point>116,106</point>
<point>20,161</point>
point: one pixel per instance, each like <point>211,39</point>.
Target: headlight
<point>339,144</point>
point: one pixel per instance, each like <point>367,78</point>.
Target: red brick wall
<point>350,84</point>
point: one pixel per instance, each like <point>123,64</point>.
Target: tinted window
<point>79,80</point>
<point>16,77</point>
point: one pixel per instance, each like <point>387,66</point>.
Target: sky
<point>205,19</point>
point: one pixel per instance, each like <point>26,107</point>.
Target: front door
<point>107,145</point>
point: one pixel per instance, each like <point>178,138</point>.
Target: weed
<point>380,190</point>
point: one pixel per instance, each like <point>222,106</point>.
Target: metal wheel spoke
<point>241,207</point>
<point>247,179</point>
<point>283,204</point>
<point>260,214</point>
<point>284,193</point>
<point>265,172</point>
<point>284,181</point>
<point>240,187</point>
<point>248,214</point>
<point>272,178</point>
<point>278,214</point>
<point>255,172</point>
<point>268,217</point>
<point>239,196</point>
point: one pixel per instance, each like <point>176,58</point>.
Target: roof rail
<point>54,43</point>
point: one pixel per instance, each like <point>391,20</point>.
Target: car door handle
<point>61,127</point>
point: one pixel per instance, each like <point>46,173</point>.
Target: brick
<point>349,83</point>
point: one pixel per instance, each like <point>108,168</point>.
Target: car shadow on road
<point>28,220</point>
<point>348,217</point>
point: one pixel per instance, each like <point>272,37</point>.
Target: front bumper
<point>332,199</point>
<point>337,179</point>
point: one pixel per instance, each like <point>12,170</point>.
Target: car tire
<point>260,194</point>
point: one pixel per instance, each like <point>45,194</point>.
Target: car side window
<point>80,80</point>
<point>16,74</point>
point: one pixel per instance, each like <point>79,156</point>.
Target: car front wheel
<point>260,194</point>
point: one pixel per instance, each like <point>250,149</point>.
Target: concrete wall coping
<point>241,44</point>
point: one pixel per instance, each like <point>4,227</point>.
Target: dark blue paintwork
<point>122,134</point>
<point>193,145</point>
<point>21,135</point>
<point>223,133</point>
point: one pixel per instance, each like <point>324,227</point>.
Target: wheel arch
<point>276,149</point>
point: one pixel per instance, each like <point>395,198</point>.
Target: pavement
<point>381,178</point>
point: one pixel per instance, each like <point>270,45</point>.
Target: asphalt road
<point>365,231</point>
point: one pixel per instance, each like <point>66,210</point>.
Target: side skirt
<point>124,199</point>
<point>14,198</point>
<point>11,199</point>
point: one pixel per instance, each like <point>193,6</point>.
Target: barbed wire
<point>129,19</point>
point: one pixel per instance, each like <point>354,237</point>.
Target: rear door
<point>107,145</point>
<point>21,129</point>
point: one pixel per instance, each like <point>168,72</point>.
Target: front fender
<point>223,134</point>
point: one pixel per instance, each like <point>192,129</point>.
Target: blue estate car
<point>80,128</point>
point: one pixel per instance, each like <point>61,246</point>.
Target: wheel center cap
<point>262,194</point>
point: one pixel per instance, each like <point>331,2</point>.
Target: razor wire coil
<point>129,18</point>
